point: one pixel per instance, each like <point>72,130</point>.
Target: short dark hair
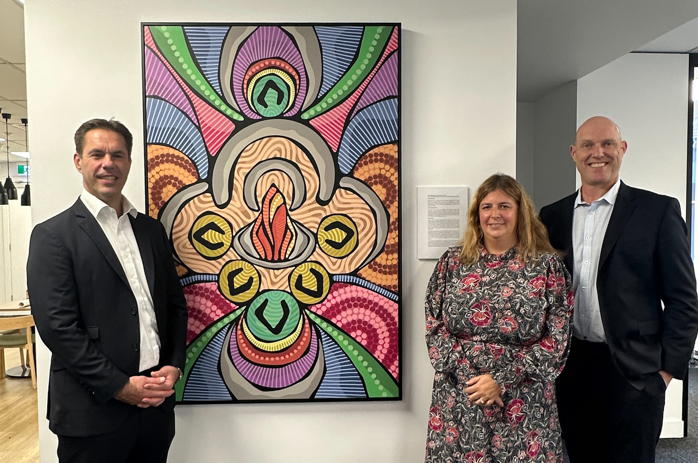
<point>94,124</point>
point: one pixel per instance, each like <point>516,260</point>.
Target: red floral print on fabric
<point>538,284</point>
<point>451,435</point>
<point>532,443</point>
<point>496,350</point>
<point>515,265</point>
<point>510,319</point>
<point>549,391</point>
<point>481,314</point>
<point>508,325</point>
<point>475,457</point>
<point>435,421</point>
<point>548,344</point>
<point>515,412</point>
<point>471,283</point>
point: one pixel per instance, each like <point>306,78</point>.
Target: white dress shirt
<point>120,235</point>
<point>588,230</point>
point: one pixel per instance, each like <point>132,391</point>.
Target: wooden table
<point>14,309</point>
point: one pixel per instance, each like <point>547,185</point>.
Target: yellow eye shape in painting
<point>337,235</point>
<point>238,281</point>
<point>310,283</point>
<point>211,235</point>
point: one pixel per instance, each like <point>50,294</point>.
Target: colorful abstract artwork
<point>273,164</point>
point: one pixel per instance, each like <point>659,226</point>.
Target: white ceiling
<point>563,40</point>
<point>558,41</point>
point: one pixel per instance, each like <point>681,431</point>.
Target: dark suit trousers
<point>145,437</point>
<point>603,417</point>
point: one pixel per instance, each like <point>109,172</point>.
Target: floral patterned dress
<point>512,320</point>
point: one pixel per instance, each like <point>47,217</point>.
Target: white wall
<point>525,145</point>
<point>458,127</point>
<point>544,131</point>
<point>647,96</point>
<point>555,128</point>
<point>16,178</point>
<point>15,227</point>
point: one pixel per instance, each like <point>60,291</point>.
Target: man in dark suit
<point>629,254</point>
<point>108,304</point>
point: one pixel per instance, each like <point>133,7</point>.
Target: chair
<point>22,340</point>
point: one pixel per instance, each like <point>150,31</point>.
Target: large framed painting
<point>273,163</point>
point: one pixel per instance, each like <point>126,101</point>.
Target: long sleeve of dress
<point>543,359</point>
<point>445,350</point>
<point>510,319</point>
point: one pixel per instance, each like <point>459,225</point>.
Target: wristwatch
<point>180,375</point>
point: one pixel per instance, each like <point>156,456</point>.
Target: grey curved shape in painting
<point>283,165</point>
<point>235,37</point>
<point>376,205</point>
<point>221,176</point>
<point>177,201</point>
<point>303,249</point>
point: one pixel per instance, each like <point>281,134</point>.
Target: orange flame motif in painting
<point>273,234</point>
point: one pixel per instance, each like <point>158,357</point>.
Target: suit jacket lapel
<point>90,226</point>
<point>146,250</point>
<point>567,216</point>
<point>622,210</point>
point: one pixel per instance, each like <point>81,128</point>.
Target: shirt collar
<point>610,196</point>
<point>96,205</point>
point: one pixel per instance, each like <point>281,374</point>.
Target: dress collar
<point>487,257</point>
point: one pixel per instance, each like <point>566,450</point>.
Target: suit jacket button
<point>135,347</point>
<point>134,311</point>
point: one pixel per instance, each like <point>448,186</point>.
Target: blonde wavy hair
<point>532,234</point>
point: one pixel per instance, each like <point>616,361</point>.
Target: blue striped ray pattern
<point>205,383</point>
<point>341,380</point>
<point>338,46</point>
<point>206,43</point>
<point>167,125</point>
<point>375,125</point>
<point>199,278</point>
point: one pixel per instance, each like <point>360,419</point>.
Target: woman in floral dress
<point>499,323</point>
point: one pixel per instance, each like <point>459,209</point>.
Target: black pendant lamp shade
<point>3,193</point>
<point>9,185</point>
<point>26,198</point>
<point>10,189</point>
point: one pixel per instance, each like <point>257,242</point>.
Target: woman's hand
<point>483,390</point>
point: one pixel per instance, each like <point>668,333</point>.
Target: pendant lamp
<point>26,199</point>
<point>3,193</point>
<point>9,184</point>
<point>3,196</point>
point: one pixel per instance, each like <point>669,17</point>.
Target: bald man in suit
<point>636,310</point>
